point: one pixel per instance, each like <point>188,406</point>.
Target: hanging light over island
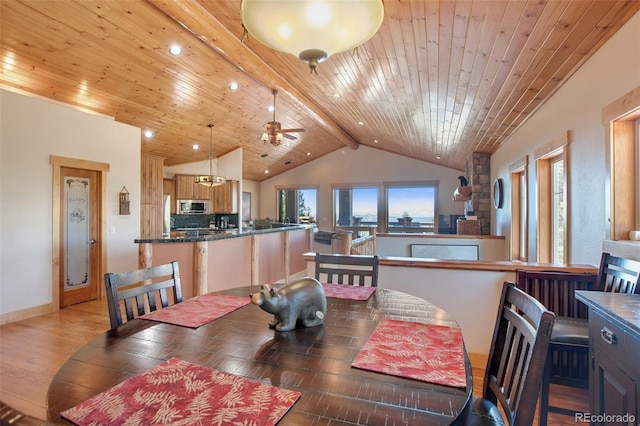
<point>210,179</point>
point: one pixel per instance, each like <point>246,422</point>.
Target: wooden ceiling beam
<point>194,18</point>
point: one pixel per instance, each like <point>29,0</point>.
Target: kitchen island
<point>213,260</point>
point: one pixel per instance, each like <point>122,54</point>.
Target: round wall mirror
<point>497,193</point>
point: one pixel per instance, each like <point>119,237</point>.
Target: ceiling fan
<point>275,133</point>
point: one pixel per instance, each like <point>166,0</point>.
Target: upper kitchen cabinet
<point>221,200</point>
<point>188,189</point>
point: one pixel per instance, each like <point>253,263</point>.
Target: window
<point>411,208</point>
<point>558,207</point>
<point>395,208</point>
<point>518,185</point>
<point>622,123</point>
<point>552,202</point>
<point>297,205</point>
<point>356,207</point>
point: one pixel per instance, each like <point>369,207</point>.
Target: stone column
<point>478,171</point>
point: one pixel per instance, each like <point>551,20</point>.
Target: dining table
<point>314,361</point>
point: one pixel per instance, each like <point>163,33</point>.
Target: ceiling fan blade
<point>292,130</point>
<point>290,137</point>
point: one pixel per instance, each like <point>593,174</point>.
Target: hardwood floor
<point>32,351</point>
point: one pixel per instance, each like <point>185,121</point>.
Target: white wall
<point>489,249</point>
<point>364,165</point>
<point>577,107</point>
<point>31,130</point>
<point>228,165</point>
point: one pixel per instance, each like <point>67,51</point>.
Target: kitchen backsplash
<point>202,220</point>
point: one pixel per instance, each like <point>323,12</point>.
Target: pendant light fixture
<point>312,30</point>
<point>210,179</point>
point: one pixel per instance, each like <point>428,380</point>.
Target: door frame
<point>57,163</point>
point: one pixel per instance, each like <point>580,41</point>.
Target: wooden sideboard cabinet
<point>614,336</point>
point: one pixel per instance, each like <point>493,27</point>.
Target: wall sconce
<point>125,204</point>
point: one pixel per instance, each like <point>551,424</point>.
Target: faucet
<point>287,221</point>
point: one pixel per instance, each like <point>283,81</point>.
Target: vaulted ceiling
<point>441,79</point>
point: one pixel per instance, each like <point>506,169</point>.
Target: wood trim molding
<point>550,148</point>
<point>622,107</point>
<point>519,164</point>
<point>57,163</point>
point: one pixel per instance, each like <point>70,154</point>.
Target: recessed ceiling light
<point>234,86</point>
<point>376,141</point>
<point>175,50</point>
<point>438,142</point>
<point>195,146</point>
<point>308,154</point>
<point>337,95</point>
<point>266,172</point>
<point>361,123</point>
<point>438,157</point>
<point>148,134</point>
<point>271,108</point>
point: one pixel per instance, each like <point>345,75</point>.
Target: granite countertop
<point>621,308</point>
<point>191,237</point>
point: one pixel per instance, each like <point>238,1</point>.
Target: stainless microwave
<point>193,207</point>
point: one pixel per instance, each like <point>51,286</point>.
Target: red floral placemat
<point>198,310</point>
<point>351,292</point>
<point>427,352</point>
<point>177,392</point>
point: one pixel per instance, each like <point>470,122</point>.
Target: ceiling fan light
<point>300,26</point>
<point>279,137</point>
<point>265,137</point>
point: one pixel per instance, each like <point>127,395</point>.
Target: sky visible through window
<point>310,196</point>
<point>417,202</point>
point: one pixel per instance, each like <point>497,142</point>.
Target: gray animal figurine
<point>302,300</point>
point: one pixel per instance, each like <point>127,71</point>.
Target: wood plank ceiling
<point>441,79</point>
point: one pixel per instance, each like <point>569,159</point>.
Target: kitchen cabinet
<point>169,188</point>
<point>614,338</point>
<point>221,200</point>
<point>151,190</point>
<point>188,189</point>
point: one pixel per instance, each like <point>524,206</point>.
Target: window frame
<point>519,175</point>
<point>382,205</point>
<point>555,149</point>
<point>296,188</point>
<point>621,119</point>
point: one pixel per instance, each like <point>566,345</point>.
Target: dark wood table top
<point>315,361</point>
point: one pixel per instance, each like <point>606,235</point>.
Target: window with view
<point>412,208</point>
<point>357,206</point>
<point>297,205</point>
<point>552,202</point>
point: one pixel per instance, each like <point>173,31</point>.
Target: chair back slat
<point>518,354</point>
<point>618,275</point>
<point>358,270</point>
<point>141,291</point>
<point>556,290</point>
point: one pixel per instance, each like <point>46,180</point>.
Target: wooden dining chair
<point>358,270</point>
<point>568,360</point>
<point>141,291</point>
<point>516,360</point>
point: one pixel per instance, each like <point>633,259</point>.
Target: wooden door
<point>79,235</point>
